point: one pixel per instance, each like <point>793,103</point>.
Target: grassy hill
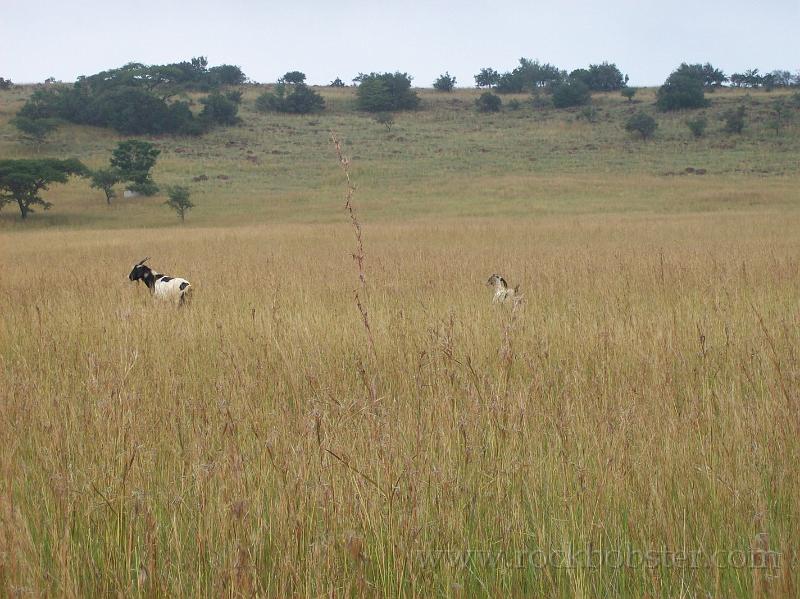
<point>444,159</point>
<point>630,429</point>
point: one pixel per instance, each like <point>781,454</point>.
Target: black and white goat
<point>161,286</point>
<point>502,291</point>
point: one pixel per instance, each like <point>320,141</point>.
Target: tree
<point>5,83</point>
<point>226,74</point>
<point>133,160</point>
<point>293,78</point>
<point>219,109</point>
<point>488,102</point>
<point>734,119</point>
<point>682,89</point>
<point>642,124</point>
<point>600,77</point>
<point>697,126</point>
<point>105,179</point>
<point>779,115</point>
<point>35,130</point>
<point>21,181</point>
<point>628,93</point>
<point>487,77</point>
<point>337,83</point>
<point>445,83</point>
<point>571,93</point>
<point>179,200</point>
<point>529,75</point>
<point>383,92</point>
<point>300,100</point>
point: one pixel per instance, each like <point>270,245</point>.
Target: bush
<point>628,93</point>
<point>293,78</point>
<point>337,83</point>
<point>642,124</point>
<point>600,77</point>
<point>179,200</point>
<point>219,109</point>
<point>529,75</point>
<point>514,104</point>
<point>300,100</point>
<point>697,126</point>
<point>571,93</point>
<point>487,77</point>
<point>589,113</point>
<point>383,92</point>
<point>488,102</point>
<point>5,83</point>
<point>682,89</point>
<point>734,119</point>
<point>445,83</point>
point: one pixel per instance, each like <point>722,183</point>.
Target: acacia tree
<point>179,200</point>
<point>487,77</point>
<point>134,159</point>
<point>444,83</point>
<point>105,179</point>
<point>21,181</point>
<point>35,130</point>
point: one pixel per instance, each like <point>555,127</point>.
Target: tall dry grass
<point>644,398</point>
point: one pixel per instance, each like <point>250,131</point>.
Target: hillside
<point>445,159</point>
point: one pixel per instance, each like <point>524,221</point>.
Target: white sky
<point>325,39</point>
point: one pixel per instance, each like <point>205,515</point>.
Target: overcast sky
<point>326,39</point>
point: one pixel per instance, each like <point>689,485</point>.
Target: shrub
<point>219,109</point>
<point>589,113</point>
<point>514,104</point>
<point>682,89</point>
<point>488,102</point>
<point>529,75</point>
<point>5,83</point>
<point>383,92</point>
<point>600,77</point>
<point>642,124</point>
<point>301,99</point>
<point>293,78</point>
<point>628,93</point>
<point>734,119</point>
<point>179,200</point>
<point>445,83</point>
<point>487,77</point>
<point>337,83</point>
<point>571,93</point>
<point>697,126</point>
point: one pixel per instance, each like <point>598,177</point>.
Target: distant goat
<point>502,291</point>
<point>161,286</point>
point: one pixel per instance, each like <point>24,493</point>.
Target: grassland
<point>639,412</point>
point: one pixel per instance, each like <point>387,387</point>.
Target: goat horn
<point>143,261</point>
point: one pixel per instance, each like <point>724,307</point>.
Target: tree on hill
<point>602,77</point>
<point>682,89</point>
<point>628,93</point>
<point>487,77</point>
<point>300,99</point>
<point>293,78</point>
<point>219,109</point>
<point>444,83</point>
<point>488,102</point>
<point>386,92</point>
<point>21,181</point>
<point>134,159</point>
<point>35,130</point>
<point>572,92</point>
<point>178,200</point>
<point>337,83</point>
<point>642,124</point>
<point>136,98</point>
<point>530,75</point>
<point>5,83</point>
<point>105,179</point>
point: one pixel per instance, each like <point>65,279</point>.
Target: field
<point>632,428</point>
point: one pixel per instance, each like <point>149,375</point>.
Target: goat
<point>161,286</point>
<point>502,291</point>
